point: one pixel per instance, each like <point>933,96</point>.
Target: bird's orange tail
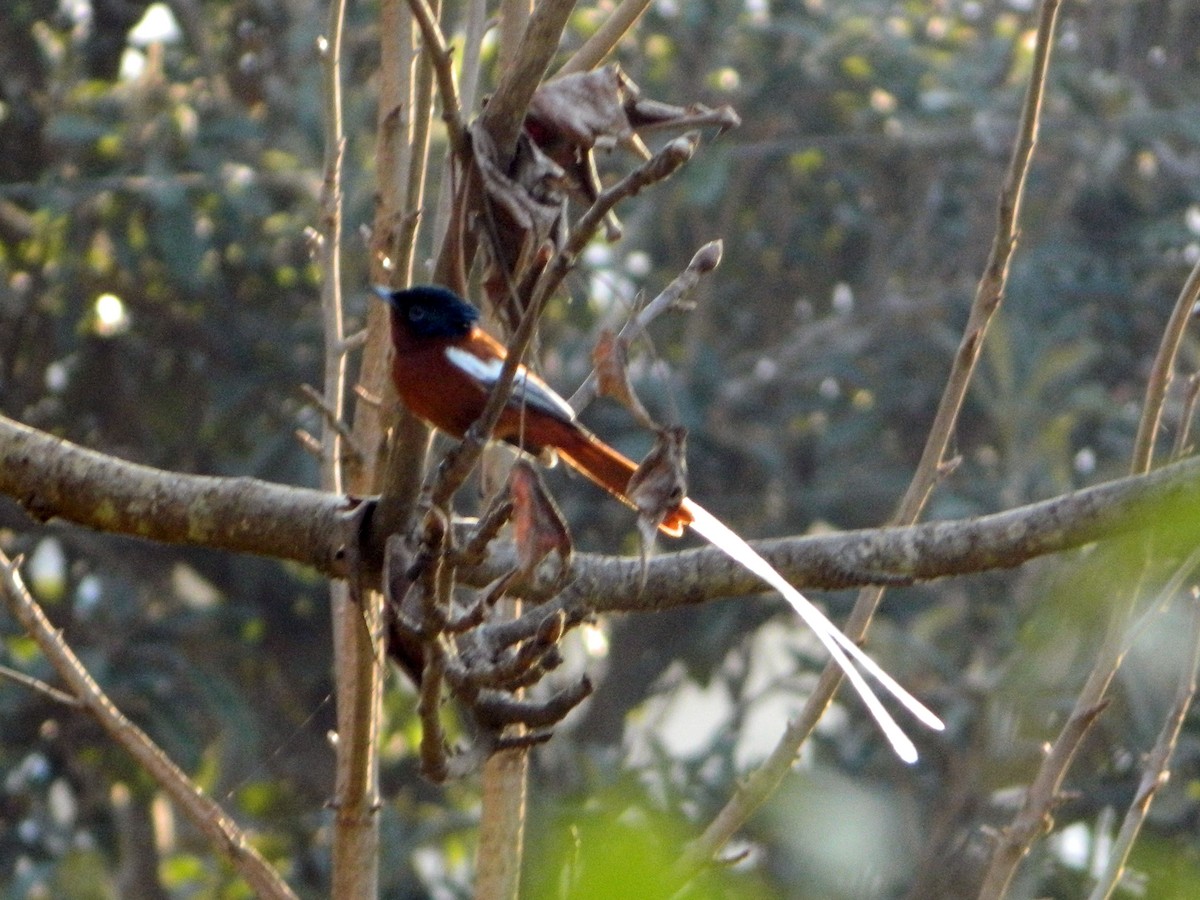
<point>611,470</point>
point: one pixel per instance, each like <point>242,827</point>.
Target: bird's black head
<point>427,311</point>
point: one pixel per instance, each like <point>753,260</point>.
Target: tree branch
<point>1156,771</point>
<point>52,478</point>
<point>1161,372</point>
<point>204,813</point>
<point>988,296</point>
<point>1034,819</point>
<point>443,69</point>
<point>605,38</point>
<point>673,296</point>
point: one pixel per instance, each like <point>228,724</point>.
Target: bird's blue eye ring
<point>416,313</point>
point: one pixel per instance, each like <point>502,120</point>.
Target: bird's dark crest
<point>430,311</point>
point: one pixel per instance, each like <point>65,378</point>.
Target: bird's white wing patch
<point>527,388</point>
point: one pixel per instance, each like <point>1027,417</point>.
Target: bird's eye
<point>416,313</point>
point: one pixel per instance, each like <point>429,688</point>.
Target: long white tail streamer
<point>724,539</point>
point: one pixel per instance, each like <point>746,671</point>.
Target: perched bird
<point>444,367</point>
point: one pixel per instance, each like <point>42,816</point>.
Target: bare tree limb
<point>439,58</point>
<point>1034,819</point>
<point>205,814</point>
<point>1184,430</point>
<point>39,686</point>
<point>358,680</point>
<point>988,296</point>
<point>53,478</point>
<point>1161,372</point>
<point>704,260</point>
<point>606,37</point>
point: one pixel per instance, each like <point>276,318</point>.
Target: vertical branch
<point>356,834</point>
<point>988,296</point>
<point>468,85</point>
<point>375,414</point>
<point>502,825</point>
<point>505,775</point>
<point>418,165</point>
<point>512,21</point>
<point>375,422</point>
<point>401,440</point>
<point>331,256</point>
<point>472,54</point>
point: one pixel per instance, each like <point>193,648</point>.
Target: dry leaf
<point>569,116</point>
<point>527,210</point>
<point>612,375</point>
<point>538,525</point>
<point>660,484</point>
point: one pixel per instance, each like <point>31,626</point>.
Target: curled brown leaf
<point>659,485</point>
<point>611,360</point>
<point>539,528</point>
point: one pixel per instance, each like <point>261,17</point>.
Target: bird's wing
<point>527,387</point>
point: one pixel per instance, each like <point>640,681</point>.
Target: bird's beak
<point>384,293</point>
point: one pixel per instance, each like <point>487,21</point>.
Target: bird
<point>444,367</point>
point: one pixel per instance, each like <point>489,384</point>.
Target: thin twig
<point>1160,374</point>
<point>989,293</point>
<point>356,831</point>
<point>705,260</point>
<point>1187,414</point>
<point>331,401</point>
<point>203,812</point>
<point>1156,771</point>
<point>605,38</point>
<point>438,53</point>
<point>1033,820</point>
<point>471,56</point>
<point>330,416</point>
<point>36,684</point>
<point>418,159</point>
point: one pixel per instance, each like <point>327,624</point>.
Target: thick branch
<point>51,477</point>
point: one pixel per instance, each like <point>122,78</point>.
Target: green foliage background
<point>856,204</point>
